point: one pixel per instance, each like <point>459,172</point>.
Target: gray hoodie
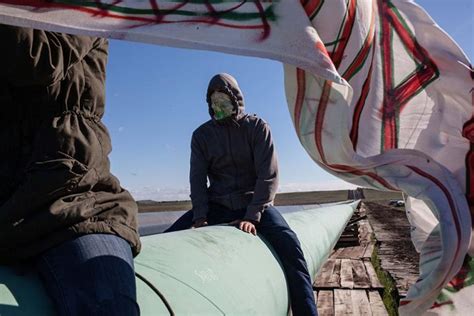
<point>238,157</point>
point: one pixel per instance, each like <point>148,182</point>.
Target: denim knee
<point>119,304</point>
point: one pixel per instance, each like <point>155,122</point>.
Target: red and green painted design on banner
<point>336,55</point>
<point>396,97</point>
<point>463,279</point>
<point>214,12</point>
<point>468,133</point>
<point>356,65</point>
<point>338,48</point>
<point>452,210</point>
<point>312,7</point>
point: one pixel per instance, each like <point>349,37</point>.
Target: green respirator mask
<point>222,106</point>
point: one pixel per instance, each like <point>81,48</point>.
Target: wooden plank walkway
<point>395,249</point>
<point>347,283</point>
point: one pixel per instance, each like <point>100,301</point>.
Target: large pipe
<point>207,271</point>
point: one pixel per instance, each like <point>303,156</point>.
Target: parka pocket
<point>45,182</point>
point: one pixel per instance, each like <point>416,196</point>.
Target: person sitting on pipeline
<point>236,153</point>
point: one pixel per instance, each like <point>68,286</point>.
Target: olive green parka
<point>55,180</point>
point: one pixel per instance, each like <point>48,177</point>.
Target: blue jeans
<point>90,275</point>
<point>283,240</point>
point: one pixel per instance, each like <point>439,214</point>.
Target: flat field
<point>293,198</point>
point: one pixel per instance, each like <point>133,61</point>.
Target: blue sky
<point>156,98</point>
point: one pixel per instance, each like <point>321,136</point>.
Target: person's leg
<point>90,275</point>
<point>182,223</point>
<point>284,241</point>
<point>216,215</point>
<point>221,215</point>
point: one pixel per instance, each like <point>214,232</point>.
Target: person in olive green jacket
<point>60,207</point>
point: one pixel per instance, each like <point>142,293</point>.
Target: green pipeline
<point>215,270</point>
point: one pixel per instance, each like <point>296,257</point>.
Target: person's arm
<point>198,180</point>
<point>266,166</point>
<point>34,57</point>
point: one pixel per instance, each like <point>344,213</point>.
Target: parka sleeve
<point>198,180</point>
<point>34,57</point>
<point>266,166</point>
